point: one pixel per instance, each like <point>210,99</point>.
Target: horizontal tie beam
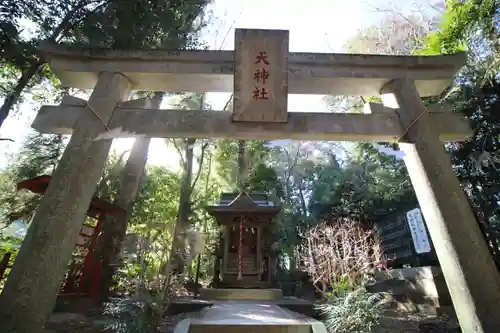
<point>381,125</point>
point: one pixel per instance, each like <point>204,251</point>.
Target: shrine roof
<point>244,203</point>
<point>97,206</point>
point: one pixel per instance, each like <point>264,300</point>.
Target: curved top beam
<point>212,71</point>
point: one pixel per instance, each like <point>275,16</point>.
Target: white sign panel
<point>418,232</point>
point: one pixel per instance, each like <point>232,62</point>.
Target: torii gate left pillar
<point>30,292</point>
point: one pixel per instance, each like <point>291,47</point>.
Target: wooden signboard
<point>260,75</point>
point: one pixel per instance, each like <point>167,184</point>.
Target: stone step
<point>188,304</point>
<point>249,317</point>
<point>249,283</point>
<point>240,294</point>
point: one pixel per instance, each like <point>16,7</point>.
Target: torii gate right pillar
<point>468,268</point>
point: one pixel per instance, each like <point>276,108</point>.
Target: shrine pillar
<point>31,290</point>
<point>468,267</point>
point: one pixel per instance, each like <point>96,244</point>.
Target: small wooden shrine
<point>244,256</point>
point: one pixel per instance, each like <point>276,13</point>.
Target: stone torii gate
<point>261,73</point>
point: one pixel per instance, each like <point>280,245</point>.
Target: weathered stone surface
<point>468,268</point>
<point>212,71</point>
<point>418,289</point>
<point>218,124</point>
<point>427,272</point>
<point>260,75</point>
<point>249,316</point>
<point>30,292</point>
<point>415,282</point>
<point>241,294</point>
<point>395,322</point>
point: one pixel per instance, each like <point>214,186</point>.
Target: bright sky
<point>321,26</point>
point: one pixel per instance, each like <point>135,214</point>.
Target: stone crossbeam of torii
<point>261,73</point>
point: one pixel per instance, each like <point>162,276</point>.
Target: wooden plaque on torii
<point>260,75</point>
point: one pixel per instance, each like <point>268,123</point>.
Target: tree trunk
<point>12,98</point>
<point>302,202</point>
<point>115,228</point>
<point>242,165</point>
<point>175,263</point>
<point>205,223</point>
<point>219,253</point>
<point>185,197</point>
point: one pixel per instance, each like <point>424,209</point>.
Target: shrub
<point>357,311</point>
<point>339,253</point>
<point>131,315</point>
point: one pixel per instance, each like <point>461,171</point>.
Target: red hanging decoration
<point>240,250</point>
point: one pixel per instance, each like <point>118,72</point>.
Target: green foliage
<point>17,53</point>
<point>341,286</point>
<point>141,24</point>
<point>474,26</point>
<point>8,245</point>
<point>312,181</point>
<point>131,315</point>
<point>226,154</point>
<point>263,178</point>
<point>477,160</point>
<point>95,23</point>
<point>368,183</point>
<point>469,25</point>
<point>38,156</point>
<point>153,220</point>
<point>358,311</point>
<point>460,23</point>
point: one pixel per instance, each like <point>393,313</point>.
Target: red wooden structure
<point>84,273</point>
<point>4,264</point>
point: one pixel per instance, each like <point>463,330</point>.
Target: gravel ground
<point>390,323</point>
<point>168,323</point>
<point>78,323</point>
<point>415,323</point>
<point>72,322</point>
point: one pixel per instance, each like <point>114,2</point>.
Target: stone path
<point>251,316</point>
<point>391,323</point>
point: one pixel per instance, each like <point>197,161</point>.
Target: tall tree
<point>398,32</point>
<point>53,20</point>
<point>179,32</point>
<point>115,24</point>
<point>87,22</point>
<point>186,148</point>
<point>114,228</point>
